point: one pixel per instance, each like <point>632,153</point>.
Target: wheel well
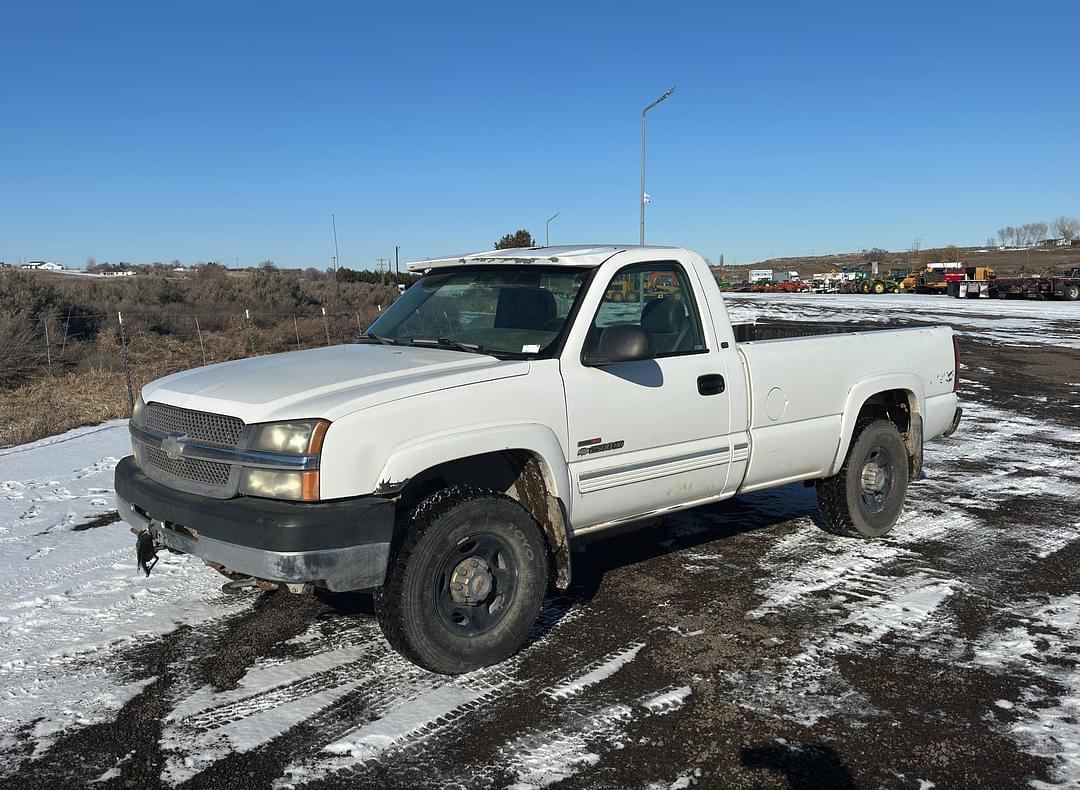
<point>519,474</point>
<point>901,408</point>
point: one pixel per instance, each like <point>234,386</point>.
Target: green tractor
<point>881,285</point>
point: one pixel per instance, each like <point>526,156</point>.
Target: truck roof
<point>569,255</point>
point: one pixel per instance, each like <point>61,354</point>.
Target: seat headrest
<point>663,316</point>
<point>524,308</point>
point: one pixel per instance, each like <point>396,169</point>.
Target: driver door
<point>650,432</point>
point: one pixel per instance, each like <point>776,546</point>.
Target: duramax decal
<point>593,446</point>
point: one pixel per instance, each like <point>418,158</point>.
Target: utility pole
<point>669,92</point>
<point>382,269</point>
<point>333,220</point>
<point>397,263</point>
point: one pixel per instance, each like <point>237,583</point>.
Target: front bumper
<point>341,545</point>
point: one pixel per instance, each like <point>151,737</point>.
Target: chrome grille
<point>200,425</point>
<point>205,472</point>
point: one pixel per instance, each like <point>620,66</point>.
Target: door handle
<point>710,384</point>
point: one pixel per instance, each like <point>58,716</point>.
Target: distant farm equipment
<point>981,283</point>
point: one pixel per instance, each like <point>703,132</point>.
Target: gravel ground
<point>737,645</point>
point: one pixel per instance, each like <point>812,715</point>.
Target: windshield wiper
<point>386,341</point>
<point>445,342</point>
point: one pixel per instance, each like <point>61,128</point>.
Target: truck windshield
<point>508,310</point>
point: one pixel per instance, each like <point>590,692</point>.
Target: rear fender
<point>865,389</point>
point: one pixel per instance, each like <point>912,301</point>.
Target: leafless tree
<point>1066,227</point>
<point>1003,236</point>
<point>1037,231</point>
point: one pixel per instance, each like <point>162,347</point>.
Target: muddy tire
<point>467,575</point>
<point>865,497</point>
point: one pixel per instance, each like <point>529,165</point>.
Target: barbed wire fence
<point>147,344</point>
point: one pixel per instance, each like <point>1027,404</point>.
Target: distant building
<point>4,265</point>
<point>48,266</point>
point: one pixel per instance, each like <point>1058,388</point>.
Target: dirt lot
<point>735,646</point>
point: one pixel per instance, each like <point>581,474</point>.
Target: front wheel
<point>865,497</point>
<point>466,580</point>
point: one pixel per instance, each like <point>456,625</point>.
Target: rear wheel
<point>467,576</point>
<point>1071,292</point>
<point>865,497</point>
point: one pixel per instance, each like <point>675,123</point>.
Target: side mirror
<point>620,343</point>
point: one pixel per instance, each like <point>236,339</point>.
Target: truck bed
<point>781,330</point>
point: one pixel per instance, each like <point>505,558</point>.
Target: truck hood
<point>325,382</point>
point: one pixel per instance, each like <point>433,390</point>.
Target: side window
<point>658,298</point>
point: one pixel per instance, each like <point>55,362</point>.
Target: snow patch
<point>604,668</point>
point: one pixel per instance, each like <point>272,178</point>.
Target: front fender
<point>861,392</point>
<point>409,460</point>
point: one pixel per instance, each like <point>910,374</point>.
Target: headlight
<point>300,437</point>
<point>275,484</point>
<point>295,438</point>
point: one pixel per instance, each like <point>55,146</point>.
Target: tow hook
<point>145,551</point>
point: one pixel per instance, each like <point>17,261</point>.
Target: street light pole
<point>333,219</point>
<point>669,92</point>
<point>547,229</point>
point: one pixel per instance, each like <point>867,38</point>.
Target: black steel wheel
<point>865,497</point>
<point>475,584</point>
<point>468,572</point>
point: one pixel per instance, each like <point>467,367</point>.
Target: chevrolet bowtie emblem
<point>173,446</point>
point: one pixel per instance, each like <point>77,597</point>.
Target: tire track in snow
<point>405,719</point>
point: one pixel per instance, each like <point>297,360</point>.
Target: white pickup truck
<point>509,404</point>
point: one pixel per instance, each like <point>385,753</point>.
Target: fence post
<point>296,328</point>
<point>202,348</point>
<point>326,326</point>
<point>251,330</point>
<point>48,351</point>
<point>127,360</point>
<point>359,328</point>
<point>67,326</point>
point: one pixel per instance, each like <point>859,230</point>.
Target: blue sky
<point>224,131</point>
